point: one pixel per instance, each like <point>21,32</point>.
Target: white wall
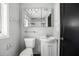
<point>39,31</point>
<point>38,5</point>
<point>57,25</point>
<point>10,46</point>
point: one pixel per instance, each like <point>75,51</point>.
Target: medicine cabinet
<point>38,17</point>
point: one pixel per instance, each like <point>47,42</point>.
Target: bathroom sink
<point>48,39</point>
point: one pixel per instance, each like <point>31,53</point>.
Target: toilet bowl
<point>30,44</point>
<point>27,52</point>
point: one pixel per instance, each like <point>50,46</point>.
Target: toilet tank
<point>29,42</point>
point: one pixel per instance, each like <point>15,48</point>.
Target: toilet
<point>30,44</point>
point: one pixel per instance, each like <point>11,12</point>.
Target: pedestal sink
<point>47,39</point>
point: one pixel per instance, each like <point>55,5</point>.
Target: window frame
<point>5,21</point>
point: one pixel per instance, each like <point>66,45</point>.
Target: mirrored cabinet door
<point>37,17</point>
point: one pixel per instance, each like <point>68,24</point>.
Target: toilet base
<point>27,52</point>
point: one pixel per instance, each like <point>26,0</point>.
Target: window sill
<point>2,36</point>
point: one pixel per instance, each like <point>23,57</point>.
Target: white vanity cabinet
<point>48,48</point>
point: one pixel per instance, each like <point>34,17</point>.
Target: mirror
<point>37,17</point>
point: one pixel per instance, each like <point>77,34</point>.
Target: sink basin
<point>48,39</point>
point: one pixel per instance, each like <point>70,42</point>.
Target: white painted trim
<point>46,19</point>
<point>57,25</point>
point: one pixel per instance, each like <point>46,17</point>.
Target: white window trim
<point>5,21</point>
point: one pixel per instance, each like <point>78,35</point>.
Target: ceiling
<point>38,12</point>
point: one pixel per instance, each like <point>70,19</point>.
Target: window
<point>4,21</point>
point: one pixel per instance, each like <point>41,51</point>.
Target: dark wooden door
<point>69,29</point>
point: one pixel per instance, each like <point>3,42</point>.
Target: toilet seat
<point>27,52</point>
